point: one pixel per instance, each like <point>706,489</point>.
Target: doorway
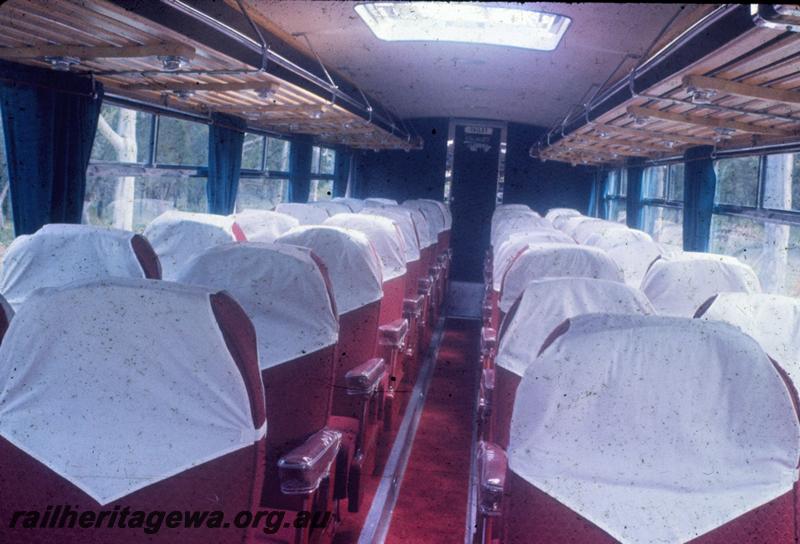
<point>476,160</point>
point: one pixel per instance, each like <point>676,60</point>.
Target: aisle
<point>432,504</point>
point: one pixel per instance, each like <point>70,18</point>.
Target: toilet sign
<point>478,138</point>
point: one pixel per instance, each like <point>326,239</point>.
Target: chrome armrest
<point>486,393</point>
<point>488,341</point>
<point>364,379</point>
<point>412,307</point>
<point>393,334</point>
<point>492,462</point>
<point>302,469</point>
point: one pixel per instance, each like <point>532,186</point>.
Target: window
<point>6,219</point>
<point>782,182</point>
<point>181,143</point>
<point>278,155</point>
<point>654,182</point>
<point>676,182</point>
<point>323,165</point>
<point>664,224</point>
<point>123,136</point>
<point>737,236</point>
<point>756,217</point>
<point>616,187</point>
<point>737,181</point>
<point>662,203</point>
<point>466,23</point>
<point>131,202</point>
<point>269,186</point>
<point>128,185</point>
<point>253,152</point>
<point>261,192</point>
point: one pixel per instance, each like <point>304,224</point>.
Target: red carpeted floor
<point>432,505</point>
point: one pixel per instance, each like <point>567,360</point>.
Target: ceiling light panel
<point>481,23</point>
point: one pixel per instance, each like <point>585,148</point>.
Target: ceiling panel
<point>426,79</point>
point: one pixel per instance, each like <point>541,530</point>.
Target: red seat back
<point>227,482</point>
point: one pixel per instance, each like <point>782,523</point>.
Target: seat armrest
<point>364,379</point>
<point>302,469</point>
<point>488,341</point>
<point>487,312</point>
<point>487,379</point>
<point>493,464</point>
<point>393,334</point>
<point>424,286</point>
<point>486,393</point>
<point>412,307</point>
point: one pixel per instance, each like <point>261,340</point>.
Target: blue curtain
<point>341,172</point>
<point>300,170</point>
<point>633,201</point>
<point>596,196</point>
<point>225,142</point>
<point>49,120</point>
<point>699,186</point>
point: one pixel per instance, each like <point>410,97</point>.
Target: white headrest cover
<point>448,217</point>
<point>176,237</point>
<point>432,212</point>
<point>613,237</point>
<point>281,289</point>
<point>545,304</point>
<point>402,217</point>
<point>634,260</point>
<point>504,254</point>
<point>385,236</point>
<point>353,266</point>
<point>306,214</point>
<point>507,224</point>
<point>773,320</point>
<point>570,224</point>
<point>553,260</point>
<point>680,285</point>
<point>264,225</point>
<point>587,229</point>
<point>59,254</point>
<point>331,206</point>
<point>355,204</point>
<point>502,208</point>
<point>554,213</point>
<point>134,386</point>
<point>422,226</point>
<point>655,429</point>
<point>379,202</point>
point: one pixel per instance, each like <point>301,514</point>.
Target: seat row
<point>268,372</point>
<point>614,413</point>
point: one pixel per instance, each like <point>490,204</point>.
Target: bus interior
<point>365,272</point>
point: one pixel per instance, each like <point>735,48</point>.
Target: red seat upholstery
<point>107,415</point>
<point>287,297</point>
<point>543,306</point>
<point>644,428</point>
<point>388,243</point>
<point>355,275</point>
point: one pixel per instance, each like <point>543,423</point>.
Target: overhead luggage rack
<point>145,52</point>
<point>729,82</point>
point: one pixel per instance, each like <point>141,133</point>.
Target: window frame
<point>153,168</point>
<point>759,212</point>
<point>666,201</point>
<point>617,194</point>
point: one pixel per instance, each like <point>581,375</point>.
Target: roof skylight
<point>482,23</point>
